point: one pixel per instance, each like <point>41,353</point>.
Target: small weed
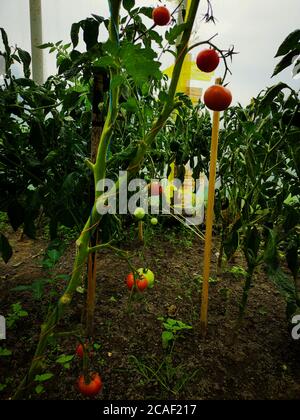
<point>17,312</point>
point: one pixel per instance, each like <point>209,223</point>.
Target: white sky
<point>255,27</point>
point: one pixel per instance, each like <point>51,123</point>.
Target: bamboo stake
<point>209,218</point>
<point>141,231</point>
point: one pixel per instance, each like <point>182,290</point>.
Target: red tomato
<point>79,350</point>
<point>161,16</point>
<point>208,60</point>
<point>217,98</point>
<point>130,281</point>
<point>92,388</point>
<point>142,283</point>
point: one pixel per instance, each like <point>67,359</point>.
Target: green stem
<point>246,290</point>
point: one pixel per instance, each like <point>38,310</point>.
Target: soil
<point>259,361</point>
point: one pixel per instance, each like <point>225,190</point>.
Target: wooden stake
<point>141,230</point>
<point>209,218</point>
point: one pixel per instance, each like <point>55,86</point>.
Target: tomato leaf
<point>128,4</point>
<point>44,377</point>
<point>5,352</point>
<point>289,43</point>
<point>64,359</point>
<point>39,389</point>
<point>173,34</point>
<point>286,61</point>
<point>140,63</point>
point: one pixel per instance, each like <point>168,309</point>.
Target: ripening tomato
<point>155,188</point>
<point>161,16</point>
<point>217,98</point>
<point>142,283</point>
<point>148,274</point>
<point>208,60</point>
<point>92,388</point>
<point>130,281</point>
<point>79,351</point>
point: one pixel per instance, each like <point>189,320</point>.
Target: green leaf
<point>39,389</point>
<point>75,33</point>
<point>105,62</point>
<point>289,43</point>
<point>128,4</point>
<point>5,352</point>
<point>147,11</point>
<point>167,337</point>
<point>54,255</point>
<point>271,94</point>
<point>130,105</point>
<point>270,252</point>
<point>5,249</point>
<point>155,36</point>
<point>26,60</point>
<point>140,63</point>
<point>90,32</point>
<point>44,377</point>
<point>231,243</point>
<point>64,359</point>
<point>251,245</point>
<point>117,81</point>
<point>173,34</point>
<point>46,45</point>
<point>284,284</point>
<point>286,61</point>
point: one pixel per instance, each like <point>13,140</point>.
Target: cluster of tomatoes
<point>216,97</point>
<point>141,280</point>
<point>92,385</point>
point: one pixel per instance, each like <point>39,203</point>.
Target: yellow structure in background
<point>190,72</point>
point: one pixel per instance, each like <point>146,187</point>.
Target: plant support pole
<point>209,218</point>
<point>36,39</point>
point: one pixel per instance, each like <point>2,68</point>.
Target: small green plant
<point>17,312</point>
<point>4,352</point>
<point>41,379</point>
<point>173,329</point>
<point>37,288</point>
<point>64,360</point>
<point>237,271</point>
<point>172,378</point>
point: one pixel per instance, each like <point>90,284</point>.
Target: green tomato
<point>149,276</point>
<point>139,213</point>
<point>154,221</point>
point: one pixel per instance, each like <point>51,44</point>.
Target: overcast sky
<point>255,27</point>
